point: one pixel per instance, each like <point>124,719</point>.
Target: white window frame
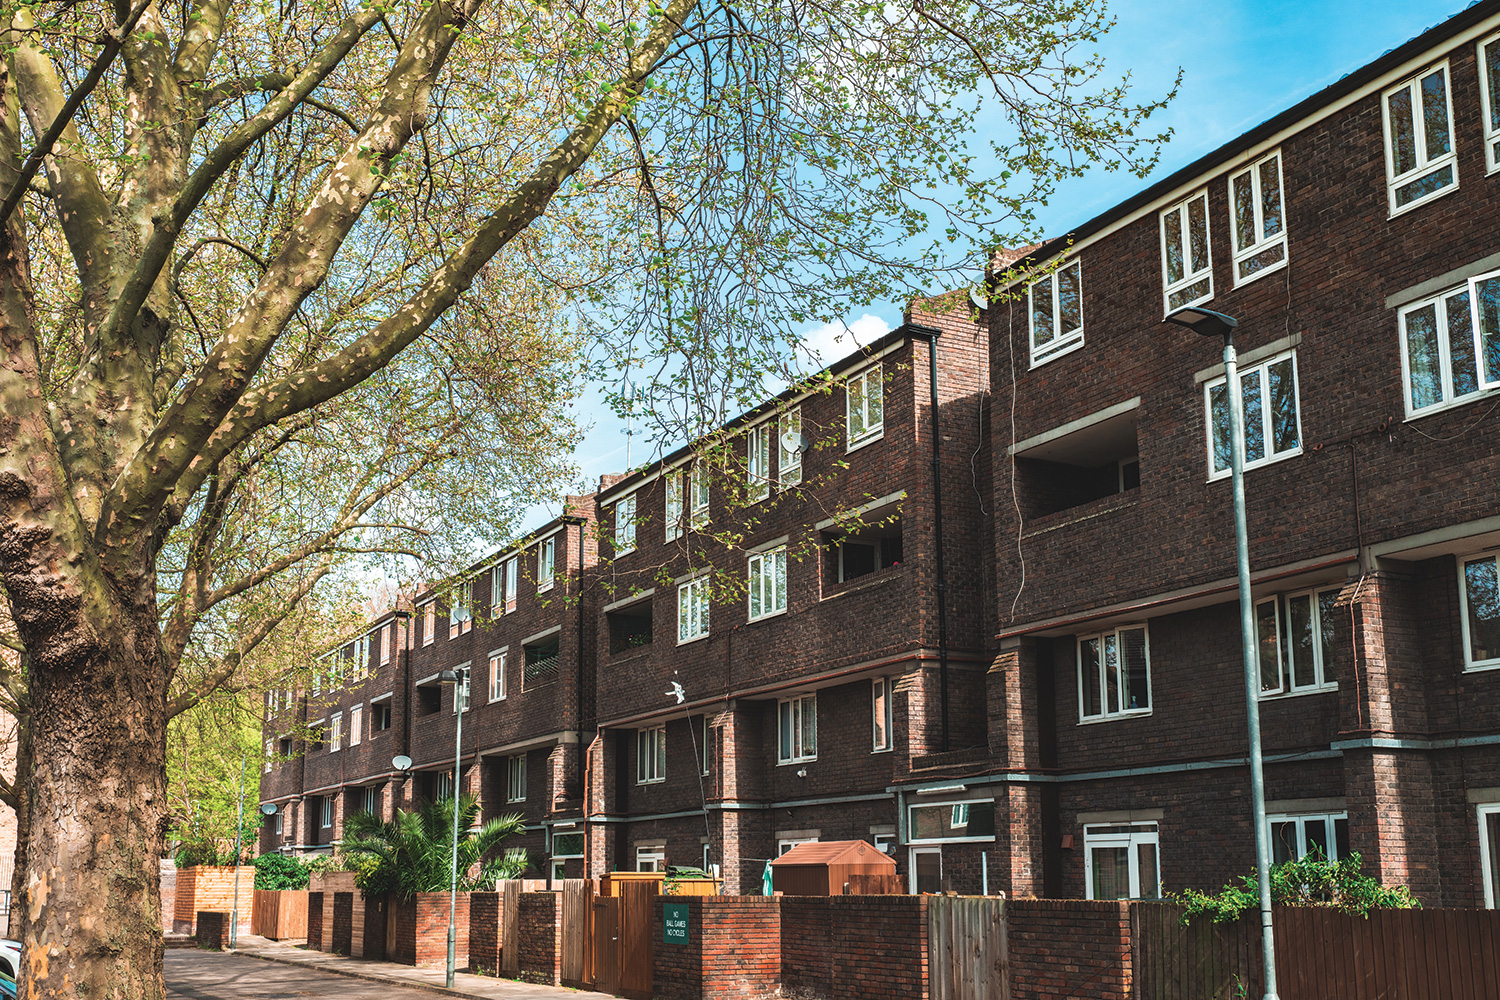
<point>795,711</point>
<point>385,650</point>
<point>356,720</point>
<point>429,623</point>
<point>758,462</point>
<point>335,732</point>
<point>515,778</point>
<point>498,661</point>
<point>1489,104</point>
<point>912,855</point>
<point>1189,276</point>
<point>1426,166</point>
<point>674,504</point>
<point>956,808</point>
<point>1439,305</point>
<point>1122,713</point>
<point>325,812</point>
<point>1261,243</point>
<point>871,377</point>
<point>788,463</point>
<point>1138,834</point>
<point>1059,341</point>
<point>1488,863</point>
<point>269,748</point>
<point>881,714</point>
<point>1261,371</point>
<point>701,749</point>
<point>654,855</point>
<point>692,610</point>
<point>1470,663</point>
<point>1328,819</point>
<point>625,525</point>
<point>762,569</point>
<point>651,755</point>
<point>546,564</point>
<point>1286,686</point>
<point>505,586</point>
<point>700,493</point>
<point>461,690</point>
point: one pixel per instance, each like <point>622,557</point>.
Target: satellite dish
<point>980,302</point>
<point>463,614</point>
<point>794,442</point>
<point>269,808</point>
<point>401,762</point>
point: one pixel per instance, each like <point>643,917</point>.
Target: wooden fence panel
<point>637,939</point>
<point>606,950</point>
<point>510,927</point>
<point>862,884</point>
<point>279,914</point>
<point>577,914</point>
<point>966,941</point>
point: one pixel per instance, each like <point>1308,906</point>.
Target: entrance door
<point>926,869</point>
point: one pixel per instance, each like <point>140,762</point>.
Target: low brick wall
<point>202,888</point>
<point>374,920</point>
<point>484,933</point>
<point>213,929</point>
<point>854,947</point>
<point>733,949</point>
<point>343,922</point>
<point>422,931</point>
<point>540,917</point>
<point>315,924</point>
<point>1068,948</point>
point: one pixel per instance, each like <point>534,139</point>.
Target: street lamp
<point>458,679</point>
<point>1216,324</point>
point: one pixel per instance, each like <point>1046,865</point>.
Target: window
<point>1295,837</point>
<point>542,659</point>
<point>768,583</point>
<point>515,778</point>
<point>926,869</point>
<point>1187,268</point>
<point>1273,425</point>
<point>1057,313</point>
<point>325,811</point>
<point>380,716</point>
<point>442,785</point>
<point>1489,92</point>
<point>356,717</point>
<point>336,732</point>
<point>370,800</point>
<point>625,525</point>
<point>1419,158</point>
<point>461,690</point>
<point>864,406</point>
<point>1259,228</point>
<point>651,858</point>
<point>459,616</point>
<point>701,734</point>
<point>1489,853</point>
<point>1295,642</point>
<point>874,546</point>
<point>674,505</point>
<point>758,462</point>
<point>1450,345</point>
<point>787,843</point>
<point>385,650</point>
<point>698,494</point>
<point>497,674</point>
<point>567,845</point>
<point>797,729</point>
<point>276,822</point>
<point>629,627</point>
<point>650,756</point>
<point>789,459</point>
<point>285,746</point>
<point>941,822</point>
<point>1480,592</point>
<point>1120,861</point>
<point>268,757</point>
<point>1114,674</point>
<point>429,622</point>
<point>546,562</point>
<point>503,587</point>
<point>692,610</point>
<point>880,713</point>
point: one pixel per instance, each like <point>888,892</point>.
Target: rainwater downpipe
<point>937,529</point>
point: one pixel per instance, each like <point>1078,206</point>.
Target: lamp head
<point>448,677</point>
<point>1202,321</point>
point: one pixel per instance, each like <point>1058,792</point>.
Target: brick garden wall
<point>541,937</point>
<point>484,932</point>
<point>202,888</point>
<point>315,935</point>
<point>422,930</point>
<point>213,929</point>
<point>343,922</point>
<point>733,950</point>
<point>1069,948</point>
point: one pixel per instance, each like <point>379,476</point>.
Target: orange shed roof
<point>833,852</point>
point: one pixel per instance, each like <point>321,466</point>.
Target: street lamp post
<point>457,679</point>
<point>1216,324</point>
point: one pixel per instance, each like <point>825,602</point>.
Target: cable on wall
<point>1010,336</point>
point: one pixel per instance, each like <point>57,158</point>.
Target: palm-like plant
<point>413,852</point>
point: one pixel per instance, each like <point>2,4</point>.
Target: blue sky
<point>1243,62</point>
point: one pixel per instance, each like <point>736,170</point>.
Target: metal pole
<point>1252,675</point>
<point>239,827</point>
<point>458,743</point>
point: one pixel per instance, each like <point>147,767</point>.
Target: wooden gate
<point>605,953</point>
<point>577,931</point>
<point>966,948</point>
<point>637,939</point>
<point>510,928</point>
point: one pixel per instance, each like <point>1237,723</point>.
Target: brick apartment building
<point>1001,641</point>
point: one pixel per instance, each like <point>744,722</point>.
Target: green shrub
<point>1308,881</point>
<point>280,871</point>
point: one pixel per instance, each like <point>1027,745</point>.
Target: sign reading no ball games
<point>674,923</point>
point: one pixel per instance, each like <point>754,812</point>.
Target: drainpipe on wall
<point>937,529</point>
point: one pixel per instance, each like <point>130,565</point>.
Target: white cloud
<point>823,345</point>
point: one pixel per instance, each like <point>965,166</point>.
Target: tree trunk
<point>23,826</point>
<point>91,907</point>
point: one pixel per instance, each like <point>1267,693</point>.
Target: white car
<point>10,957</point>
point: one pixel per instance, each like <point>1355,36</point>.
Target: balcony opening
<point>429,698</point>
<point>1087,460</point>
<point>629,627</point>
<point>542,659</point>
<point>874,546</point>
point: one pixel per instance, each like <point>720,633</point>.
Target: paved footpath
<point>266,970</point>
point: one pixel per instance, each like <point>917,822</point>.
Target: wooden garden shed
<point>826,868</point>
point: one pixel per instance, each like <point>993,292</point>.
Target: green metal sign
<point>674,923</point>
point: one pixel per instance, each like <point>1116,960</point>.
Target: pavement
<point>387,974</point>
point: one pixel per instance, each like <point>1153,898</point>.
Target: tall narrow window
<point>674,505</point>
<point>1489,853</point>
<point>625,525</point>
<point>692,610</point>
<point>1057,313</point>
<point>461,691</point>
<point>385,650</point>
<point>650,755</point>
<point>1480,612</point>
<point>336,732</point>
<point>546,564</point>
<point>1259,228</point>
<point>1114,674</point>
<point>1420,162</point>
<point>767,583</point>
<point>512,567</point>
<point>515,778</point>
<point>356,719</point>
<point>864,406</point>
<point>880,712</point>
<point>429,622</point>
<point>797,729</point>
<point>1489,91</point>
<point>497,674</point>
<point>268,757</point>
<point>325,811</point>
<point>1187,268</point>
<point>758,462</point>
<point>1273,426</point>
<point>698,493</point>
<point>1450,345</point>
<point>702,734</point>
<point>789,448</point>
<point>1121,862</point>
